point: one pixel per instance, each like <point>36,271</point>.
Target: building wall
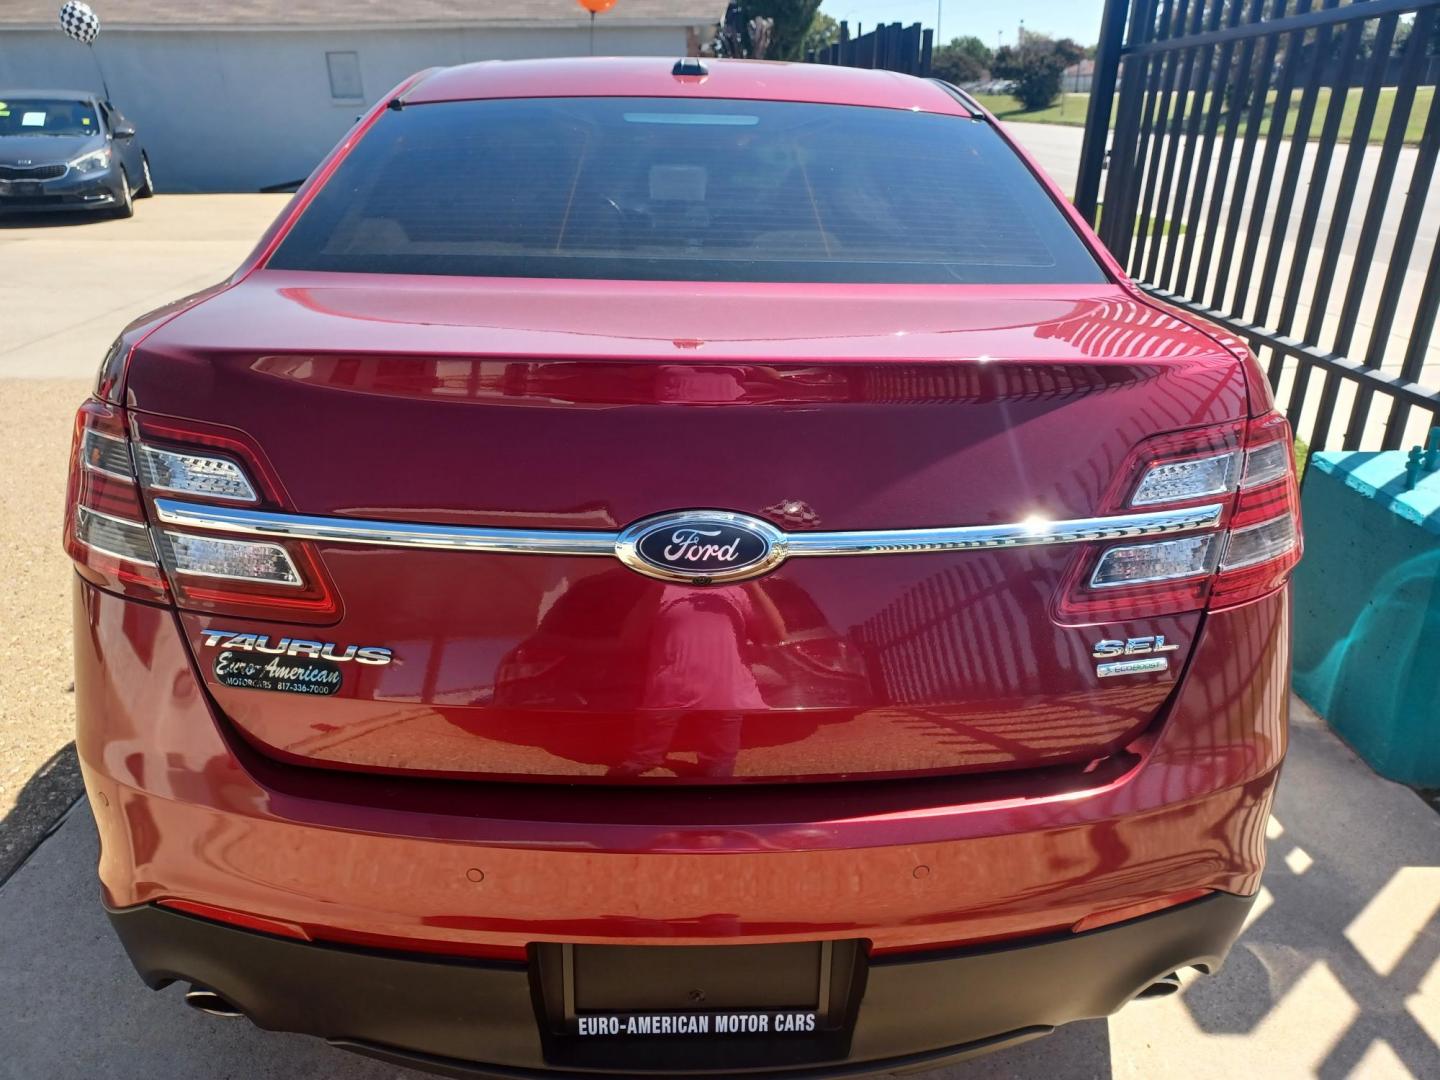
<point>238,110</point>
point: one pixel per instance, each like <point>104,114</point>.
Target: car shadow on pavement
<point>33,220</point>
<point>1342,956</point>
<point>71,1005</point>
<point>1073,1051</point>
<point>41,804</point>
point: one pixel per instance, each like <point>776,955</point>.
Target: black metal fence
<point>1271,168</point>
<point>889,46</point>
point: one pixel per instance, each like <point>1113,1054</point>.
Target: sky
<point>1078,19</point>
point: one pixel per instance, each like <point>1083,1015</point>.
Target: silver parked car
<point>69,150</point>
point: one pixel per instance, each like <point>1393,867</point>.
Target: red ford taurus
<point>656,568</point>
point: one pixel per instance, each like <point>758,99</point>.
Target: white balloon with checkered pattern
<point>77,20</point>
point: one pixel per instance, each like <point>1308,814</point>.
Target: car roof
<point>653,76</point>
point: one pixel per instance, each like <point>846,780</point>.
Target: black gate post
<point>1102,99</point>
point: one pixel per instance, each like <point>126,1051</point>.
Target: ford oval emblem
<point>701,546</point>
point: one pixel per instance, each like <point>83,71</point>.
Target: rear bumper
<point>187,811</point>
<point>435,873</point>
<point>472,1018</point>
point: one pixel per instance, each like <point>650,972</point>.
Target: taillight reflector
<point>108,455</point>
<point>105,531</point>
<point>194,474</point>
<point>1187,479</point>
<point>114,536</point>
<point>242,919</point>
<point>1268,463</point>
<point>1163,560</point>
<point>233,560</point>
<point>1260,543</point>
<point>1264,541</point>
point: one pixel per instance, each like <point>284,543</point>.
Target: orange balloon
<point>596,7</point>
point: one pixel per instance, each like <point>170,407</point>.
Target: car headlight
<point>94,161</point>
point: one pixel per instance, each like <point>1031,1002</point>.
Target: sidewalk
<point>1338,975</point>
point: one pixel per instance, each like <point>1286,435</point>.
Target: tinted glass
<point>46,116</point>
<point>668,189</point>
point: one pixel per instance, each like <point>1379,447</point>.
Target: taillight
<point>105,530</point>
<point>188,473</point>
<point>1159,560</point>
<point>117,474</point>
<point>1246,469</point>
<point>1264,542</point>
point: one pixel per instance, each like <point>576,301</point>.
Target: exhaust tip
<point>210,1003</point>
<point>1160,988</point>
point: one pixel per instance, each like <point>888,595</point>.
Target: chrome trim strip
<point>384,533</point>
<point>1019,534</point>
<point>593,542</point>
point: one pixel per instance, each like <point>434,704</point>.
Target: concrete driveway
<point>72,281</point>
<point>1339,974</point>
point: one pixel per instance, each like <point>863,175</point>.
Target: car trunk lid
<point>584,407</point>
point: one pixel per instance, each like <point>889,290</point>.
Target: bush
<point>963,60</point>
<point>823,31</point>
<point>1036,66</point>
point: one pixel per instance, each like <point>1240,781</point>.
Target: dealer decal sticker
<point>290,665</point>
<point>298,676</point>
<point>735,1023</point>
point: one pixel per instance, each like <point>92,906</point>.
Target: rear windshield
<point>46,116</point>
<point>668,189</point>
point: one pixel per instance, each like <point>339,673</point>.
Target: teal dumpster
<point>1367,610</point>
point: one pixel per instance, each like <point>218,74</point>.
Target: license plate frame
<point>762,1004</point>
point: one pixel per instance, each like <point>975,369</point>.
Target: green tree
<point>792,22</point>
<point>964,59</point>
<point>823,31</point>
<point>954,66</point>
<point>974,48</point>
<point>1036,66</point>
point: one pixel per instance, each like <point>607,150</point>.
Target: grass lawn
<point>1071,110</point>
<point>1302,456</point>
<point>1146,225</point>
